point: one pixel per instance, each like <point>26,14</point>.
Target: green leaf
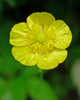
<point>7,96</point>
<point>8,65</point>
<point>56,80</point>
<point>1,6</point>
<point>3,86</point>
<point>11,3</point>
<point>29,71</point>
<point>18,89</point>
<point>45,92</point>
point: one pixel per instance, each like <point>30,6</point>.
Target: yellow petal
<point>51,60</point>
<point>47,18</point>
<point>25,56</point>
<point>19,34</point>
<point>63,35</point>
<point>42,19</point>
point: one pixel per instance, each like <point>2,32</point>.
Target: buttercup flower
<point>42,41</point>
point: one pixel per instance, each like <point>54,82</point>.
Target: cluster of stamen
<point>42,43</point>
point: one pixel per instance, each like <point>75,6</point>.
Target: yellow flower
<point>42,41</point>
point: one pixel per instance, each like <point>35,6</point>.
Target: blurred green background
<point>18,82</point>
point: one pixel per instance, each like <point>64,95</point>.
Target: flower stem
<point>39,84</point>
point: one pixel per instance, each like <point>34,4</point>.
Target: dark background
<point>18,82</point>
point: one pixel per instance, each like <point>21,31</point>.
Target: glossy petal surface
<point>52,59</point>
<point>19,35</point>
<point>42,19</point>
<point>62,33</point>
<point>25,56</point>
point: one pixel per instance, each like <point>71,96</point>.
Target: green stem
<point>39,84</point>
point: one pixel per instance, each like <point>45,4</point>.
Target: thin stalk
<point>39,84</point>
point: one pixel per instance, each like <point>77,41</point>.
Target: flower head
<point>42,41</point>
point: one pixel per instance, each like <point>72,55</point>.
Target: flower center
<point>41,37</point>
